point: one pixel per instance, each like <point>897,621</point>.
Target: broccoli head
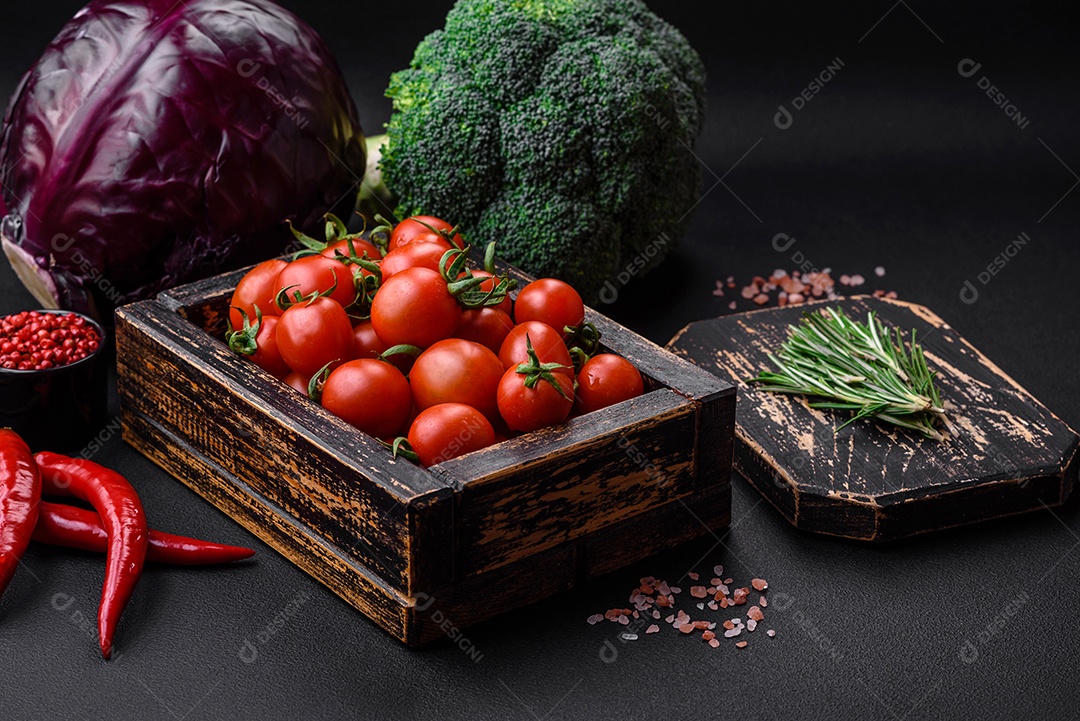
<point>562,129</point>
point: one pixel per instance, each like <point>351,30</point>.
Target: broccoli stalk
<point>562,129</point>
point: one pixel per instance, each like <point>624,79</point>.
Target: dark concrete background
<point>899,161</point>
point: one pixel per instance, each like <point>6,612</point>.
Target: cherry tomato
<point>368,345</point>
<point>414,228</point>
<point>605,380</point>
<point>317,273</point>
<point>425,254</point>
<point>414,307</point>
<point>447,431</point>
<point>507,305</point>
<point>486,326</point>
<point>546,341</point>
<point>457,371</point>
<point>267,355</point>
<point>370,395</point>
<point>550,301</point>
<point>314,333</point>
<point>528,409</point>
<point>366,341</point>
<point>340,249</point>
<point>258,287</point>
<point>297,382</point>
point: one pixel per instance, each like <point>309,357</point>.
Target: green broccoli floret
<point>563,129</point>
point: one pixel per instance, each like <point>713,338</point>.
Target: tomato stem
<point>244,341</point>
<point>380,234</point>
<point>535,371</point>
<point>318,381</point>
<point>400,447</point>
<point>400,349</point>
<point>465,286</point>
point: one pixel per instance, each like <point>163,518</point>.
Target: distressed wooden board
<point>868,481</point>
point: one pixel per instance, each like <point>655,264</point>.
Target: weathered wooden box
<point>425,552</point>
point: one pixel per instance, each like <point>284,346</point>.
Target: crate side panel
<point>270,523</point>
<point>540,490</point>
<point>324,473</point>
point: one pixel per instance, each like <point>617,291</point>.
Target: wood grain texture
<point>873,482</point>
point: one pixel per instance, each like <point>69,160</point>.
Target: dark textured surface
<point>899,161</point>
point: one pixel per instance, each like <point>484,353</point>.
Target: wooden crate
<point>425,552</point>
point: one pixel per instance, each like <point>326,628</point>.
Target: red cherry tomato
<point>457,371</point>
<point>486,326</point>
<point>605,380</point>
<point>546,341</point>
<point>414,307</point>
<point>507,305</point>
<point>314,333</point>
<point>370,395</point>
<point>340,249</point>
<point>529,409</point>
<point>368,345</point>
<point>297,382</point>
<point>447,431</point>
<point>317,273</point>
<point>366,341</point>
<point>258,287</point>
<point>415,228</point>
<point>550,301</point>
<point>267,355</point>
<point>419,254</point>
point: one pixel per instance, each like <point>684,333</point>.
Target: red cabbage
<point>157,142</point>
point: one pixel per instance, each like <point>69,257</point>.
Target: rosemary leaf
<point>844,365</point>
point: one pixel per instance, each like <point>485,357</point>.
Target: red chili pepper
<point>124,520</point>
<point>61,525</point>
<point>20,492</point>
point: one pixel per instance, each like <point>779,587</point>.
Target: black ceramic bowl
<point>57,409</point>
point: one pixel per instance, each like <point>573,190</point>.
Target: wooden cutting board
<point>872,482</point>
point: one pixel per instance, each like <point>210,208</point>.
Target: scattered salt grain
<point>629,637</point>
<point>653,629</point>
<point>759,584</point>
<point>741,644</point>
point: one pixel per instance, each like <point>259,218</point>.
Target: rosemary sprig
<point>851,366</point>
